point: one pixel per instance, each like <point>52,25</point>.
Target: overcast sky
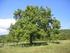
<point>60,9</point>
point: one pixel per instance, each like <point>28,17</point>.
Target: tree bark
<point>31,40</point>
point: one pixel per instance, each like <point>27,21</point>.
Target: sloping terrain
<point>63,47</point>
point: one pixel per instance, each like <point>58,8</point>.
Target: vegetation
<point>35,26</point>
<point>34,23</point>
<point>65,34</point>
<point>64,47</point>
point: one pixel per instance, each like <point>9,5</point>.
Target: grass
<point>63,47</point>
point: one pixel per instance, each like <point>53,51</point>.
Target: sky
<point>60,9</point>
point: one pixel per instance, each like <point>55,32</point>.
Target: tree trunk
<point>31,40</point>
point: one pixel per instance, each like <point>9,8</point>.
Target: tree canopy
<point>33,22</point>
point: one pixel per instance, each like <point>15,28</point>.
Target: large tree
<point>34,22</point>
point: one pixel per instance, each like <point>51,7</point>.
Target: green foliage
<point>33,21</point>
<point>65,34</point>
<point>18,14</point>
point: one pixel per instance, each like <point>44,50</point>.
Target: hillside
<point>63,47</point>
<point>65,33</point>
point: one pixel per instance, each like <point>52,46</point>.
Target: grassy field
<point>63,47</point>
